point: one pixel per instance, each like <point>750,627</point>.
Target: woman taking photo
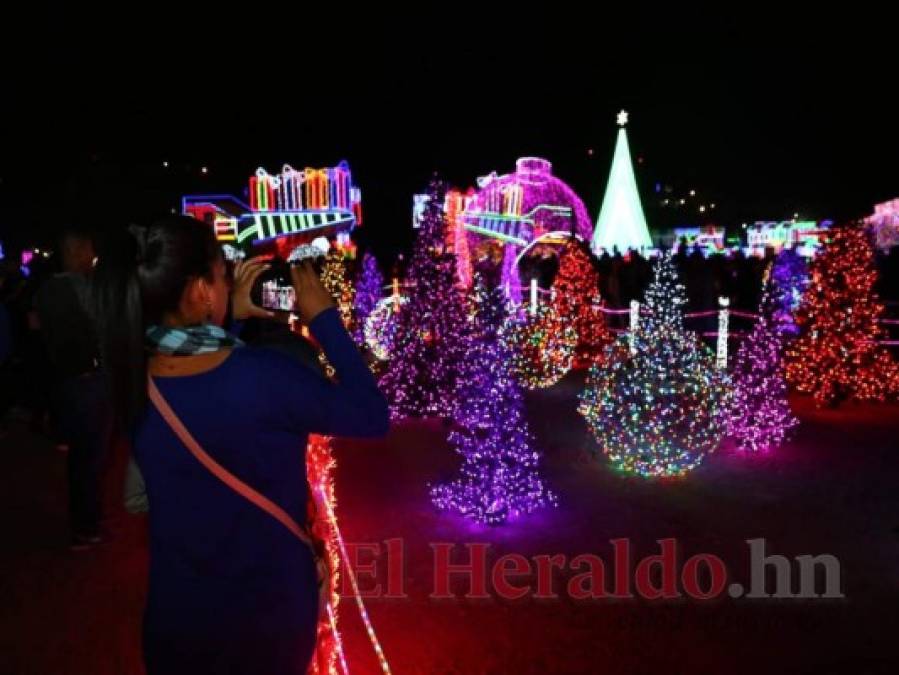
<point>231,589</point>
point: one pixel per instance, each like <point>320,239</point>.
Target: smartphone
<point>278,297</point>
<point>273,289</point>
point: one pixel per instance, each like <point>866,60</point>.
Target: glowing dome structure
<point>521,209</point>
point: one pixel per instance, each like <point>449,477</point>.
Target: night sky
<point>763,115</point>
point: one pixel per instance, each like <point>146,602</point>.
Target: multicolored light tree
<point>659,405</point>
<point>789,276</point>
<point>428,347</point>
<point>541,346</point>
<point>368,292</point>
<point>836,357</point>
<point>499,478</point>
<point>760,413</point>
<point>578,303</point>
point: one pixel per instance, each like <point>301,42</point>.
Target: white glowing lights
<point>723,322</point>
<point>621,224</point>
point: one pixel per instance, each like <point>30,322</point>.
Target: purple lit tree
<point>760,413</point>
<point>368,292</point>
<point>499,478</point>
<point>789,277</point>
<point>428,348</point>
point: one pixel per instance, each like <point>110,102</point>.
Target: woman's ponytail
<point>120,322</point>
<point>139,280</point>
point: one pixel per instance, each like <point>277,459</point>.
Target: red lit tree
<point>836,357</point>
<point>578,302</point>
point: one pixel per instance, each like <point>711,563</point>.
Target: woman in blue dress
<point>231,590</point>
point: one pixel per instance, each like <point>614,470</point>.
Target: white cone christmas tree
<point>621,224</point>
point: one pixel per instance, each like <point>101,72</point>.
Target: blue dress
<point>231,590</point>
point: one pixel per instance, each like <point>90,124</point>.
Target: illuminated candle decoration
<point>660,409</point>
<point>723,322</point>
<point>634,325</point>
<point>621,224</point>
<point>836,357</point>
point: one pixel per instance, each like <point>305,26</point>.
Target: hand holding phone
<point>311,296</point>
<point>246,272</point>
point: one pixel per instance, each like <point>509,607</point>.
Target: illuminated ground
<point>832,490</point>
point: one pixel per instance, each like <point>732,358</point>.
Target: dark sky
<point>766,115</point>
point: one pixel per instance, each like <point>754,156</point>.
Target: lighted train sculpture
<point>521,207</point>
<point>520,210</point>
<point>284,210</point>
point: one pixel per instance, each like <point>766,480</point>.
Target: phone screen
<point>277,296</point>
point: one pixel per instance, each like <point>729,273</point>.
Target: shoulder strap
<point>221,472</point>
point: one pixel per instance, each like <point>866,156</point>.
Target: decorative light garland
<point>363,613</point>
<point>319,471</point>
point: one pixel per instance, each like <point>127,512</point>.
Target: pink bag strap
<point>221,472</point>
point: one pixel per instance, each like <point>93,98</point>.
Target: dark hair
<point>140,277</point>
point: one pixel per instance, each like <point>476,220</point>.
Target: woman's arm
<point>352,406</point>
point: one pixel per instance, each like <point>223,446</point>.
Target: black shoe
<point>82,542</point>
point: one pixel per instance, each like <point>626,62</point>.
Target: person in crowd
<point>79,401</point>
<point>231,590</point>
